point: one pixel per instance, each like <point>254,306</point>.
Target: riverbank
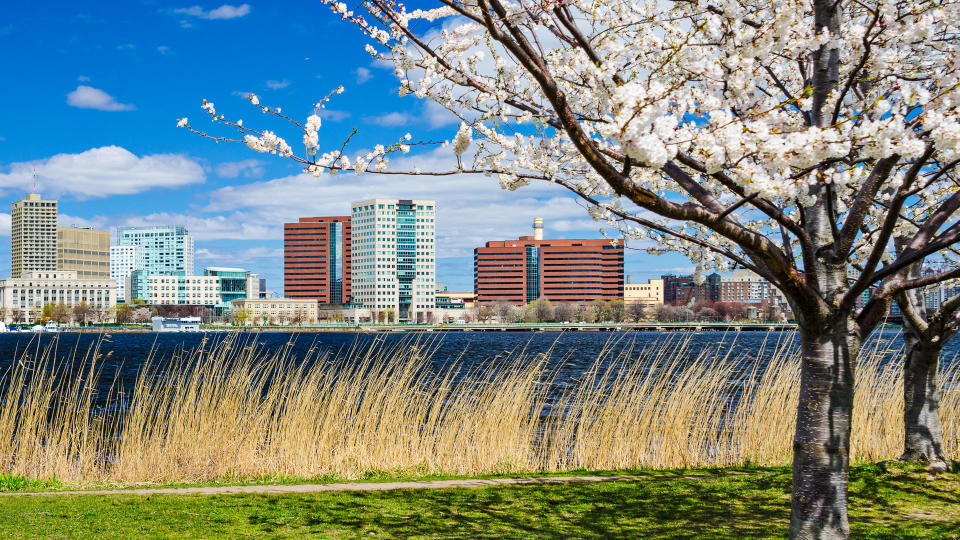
<point>740,326</point>
<point>894,502</point>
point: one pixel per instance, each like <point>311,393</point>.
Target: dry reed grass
<point>231,409</point>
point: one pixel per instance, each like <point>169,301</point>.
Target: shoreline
<point>488,327</point>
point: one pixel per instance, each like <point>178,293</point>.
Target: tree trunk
<point>923,439</point>
<point>821,457</point>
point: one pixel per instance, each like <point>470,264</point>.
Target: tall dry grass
<point>230,408</point>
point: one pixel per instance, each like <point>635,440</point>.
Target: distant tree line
<point>542,311</point>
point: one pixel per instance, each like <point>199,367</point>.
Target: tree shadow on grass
<point>664,507</point>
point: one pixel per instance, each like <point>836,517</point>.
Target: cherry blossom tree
<point>788,138</point>
<point>927,327</point>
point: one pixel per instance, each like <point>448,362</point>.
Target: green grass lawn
<point>729,503</point>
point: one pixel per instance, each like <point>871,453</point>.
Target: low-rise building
<point>23,297</point>
<point>649,294</point>
<point>184,290</point>
<point>559,270</point>
<point>455,300</point>
<point>276,310</point>
<point>175,290</point>
<point>235,284</point>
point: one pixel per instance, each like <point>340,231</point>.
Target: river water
<point>571,353</point>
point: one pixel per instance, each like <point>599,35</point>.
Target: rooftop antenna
<point>36,188</point>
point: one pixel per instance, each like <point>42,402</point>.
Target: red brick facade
<point>306,259</point>
<point>568,270</point>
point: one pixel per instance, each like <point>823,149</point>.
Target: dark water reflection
<point>571,353</point>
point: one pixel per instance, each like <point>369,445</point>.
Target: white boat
<point>51,326</point>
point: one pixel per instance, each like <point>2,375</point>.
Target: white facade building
<point>183,290</point>
<point>25,296</point>
<point>393,257</point>
<point>123,261</point>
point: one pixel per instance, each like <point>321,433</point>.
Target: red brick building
<point>316,259</point>
<point>520,271</point>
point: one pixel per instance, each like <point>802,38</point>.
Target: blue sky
<point>92,92</point>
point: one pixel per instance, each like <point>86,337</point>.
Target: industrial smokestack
<point>538,228</point>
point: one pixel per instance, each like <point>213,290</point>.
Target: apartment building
<point>33,235</point>
<point>393,257</point>
<point>746,287</point>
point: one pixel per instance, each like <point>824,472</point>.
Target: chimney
<point>538,228</point>
<point>628,279</point>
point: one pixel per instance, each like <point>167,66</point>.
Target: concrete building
<point>520,271</point>
<point>22,298</point>
<point>124,260</point>
<point>167,250</point>
<point>317,259</point>
<point>33,235</point>
<point>85,251</point>
<point>394,257</point>
<point>649,294</point>
<point>277,310</point>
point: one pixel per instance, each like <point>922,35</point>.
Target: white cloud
<point>276,85</point>
<point>363,75</point>
<point>88,97</point>
<point>206,228</point>
<point>164,50</point>
<point>83,78</point>
<point>333,115</point>
<point>4,224</point>
<point>471,209</point>
<point>102,172</point>
<point>438,116</point>
<point>96,222</point>
<point>389,119</point>
<point>214,257</point>
<point>225,11</point>
<point>248,168</point>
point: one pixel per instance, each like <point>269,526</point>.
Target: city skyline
<point>123,76</point>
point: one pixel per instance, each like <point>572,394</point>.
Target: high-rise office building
<point>316,259</point>
<point>85,251</point>
<point>523,270</point>
<point>167,250</point>
<point>124,260</point>
<point>394,257</point>
<point>33,235</point>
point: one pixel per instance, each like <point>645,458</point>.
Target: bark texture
<point>822,442</point>
<point>923,438</point>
